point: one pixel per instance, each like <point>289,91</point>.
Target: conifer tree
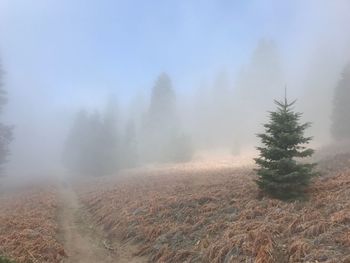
<point>91,145</point>
<point>6,131</point>
<point>261,78</point>
<point>129,156</point>
<point>341,110</point>
<point>109,137</point>
<point>279,173</point>
<point>77,145</point>
<point>162,134</point>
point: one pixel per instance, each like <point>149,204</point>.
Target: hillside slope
<point>218,215</point>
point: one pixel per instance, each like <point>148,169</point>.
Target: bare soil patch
<point>85,242</point>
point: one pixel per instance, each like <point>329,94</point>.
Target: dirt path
<point>85,243</point>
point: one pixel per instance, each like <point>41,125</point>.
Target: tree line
<point>98,145</point>
<point>6,131</point>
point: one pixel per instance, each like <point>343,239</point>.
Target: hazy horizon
<point>62,56</point>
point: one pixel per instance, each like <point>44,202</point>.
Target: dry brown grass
<point>218,215</point>
<point>28,225</point>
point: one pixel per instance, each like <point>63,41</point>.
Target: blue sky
<point>76,52</point>
<point>76,49</point>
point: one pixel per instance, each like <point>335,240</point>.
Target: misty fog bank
<point>223,73</point>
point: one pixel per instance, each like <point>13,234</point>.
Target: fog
<point>164,82</point>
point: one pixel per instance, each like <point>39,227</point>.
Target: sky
<point>73,50</point>
<point>62,55</point>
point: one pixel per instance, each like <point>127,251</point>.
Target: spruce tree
<point>77,145</point>
<point>262,77</point>
<point>129,156</point>
<point>92,145</point>
<point>6,131</point>
<point>162,136</point>
<point>109,137</point>
<point>279,173</point>
<point>341,109</point>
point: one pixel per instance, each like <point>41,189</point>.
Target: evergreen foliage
<point>76,155</point>
<point>163,139</point>
<point>92,144</point>
<point>279,173</point>
<point>6,131</point>
<point>261,78</point>
<point>109,141</point>
<point>341,107</point>
<point>181,148</point>
<point>130,155</point>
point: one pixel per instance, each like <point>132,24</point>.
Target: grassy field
<point>194,212</point>
<point>216,214</point>
<point>29,227</point>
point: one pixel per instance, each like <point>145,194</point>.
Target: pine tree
<point>341,110</point>
<point>90,147</point>
<point>6,131</point>
<point>162,140</point>
<point>76,148</point>
<point>279,173</point>
<point>162,109</point>
<point>261,78</point>
<point>129,157</point>
<point>109,137</point>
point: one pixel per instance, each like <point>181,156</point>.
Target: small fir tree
<point>279,173</point>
